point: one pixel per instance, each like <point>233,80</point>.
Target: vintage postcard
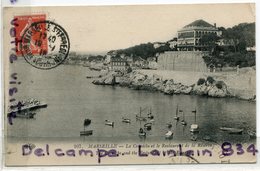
<point>129,84</point>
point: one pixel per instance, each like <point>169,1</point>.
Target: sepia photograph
<point>129,84</point>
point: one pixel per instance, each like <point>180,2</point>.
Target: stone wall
<point>182,61</point>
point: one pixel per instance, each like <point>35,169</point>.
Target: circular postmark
<point>45,44</point>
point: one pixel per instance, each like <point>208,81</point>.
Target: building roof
<point>117,59</point>
<point>199,23</point>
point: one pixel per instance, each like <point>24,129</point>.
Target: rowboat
<point>109,123</point>
<point>140,118</point>
<point>30,104</point>
<point>125,120</point>
<point>194,127</point>
<point>142,133</point>
<point>149,115</point>
<point>169,135</point>
<point>148,126</point>
<point>232,130</point>
<point>86,133</point>
<point>252,134</point>
<point>169,125</point>
<point>176,117</point>
<point>27,115</point>
<point>183,122</point>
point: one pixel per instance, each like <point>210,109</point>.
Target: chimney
<point>215,25</point>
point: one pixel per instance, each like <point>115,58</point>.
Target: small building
<point>225,42</point>
<point>118,64</point>
<point>158,44</point>
<point>189,37</point>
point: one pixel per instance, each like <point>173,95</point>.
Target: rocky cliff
<point>204,84</point>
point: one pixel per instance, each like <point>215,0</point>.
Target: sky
<point>104,28</point>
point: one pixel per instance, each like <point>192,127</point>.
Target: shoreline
<point>217,85</point>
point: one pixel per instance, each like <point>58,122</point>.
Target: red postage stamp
<point>24,22</point>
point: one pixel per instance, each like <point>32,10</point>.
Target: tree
<point>210,41</point>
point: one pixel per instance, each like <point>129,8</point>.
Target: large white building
<point>189,37</point>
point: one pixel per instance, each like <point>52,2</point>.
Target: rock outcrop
<point>139,81</point>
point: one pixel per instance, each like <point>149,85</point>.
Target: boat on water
<point>183,122</point>
<point>193,137</point>
<point>109,123</point>
<point>86,123</point>
<point>169,125</point>
<point>125,120</point>
<point>149,115</point>
<point>251,133</point>
<point>86,132</point>
<point>139,117</point>
<point>194,127</point>
<point>142,133</point>
<point>176,117</point>
<point>169,134</point>
<point>27,115</point>
<point>232,130</point>
<point>29,104</point>
<point>148,126</point>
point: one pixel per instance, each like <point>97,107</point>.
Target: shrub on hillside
<point>210,79</point>
<point>201,81</point>
<point>219,85</point>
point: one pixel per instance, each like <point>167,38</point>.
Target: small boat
<point>232,130</point>
<point>139,117</point>
<point>149,115</point>
<point>183,122</point>
<point>169,125</point>
<point>194,127</point>
<point>169,135</point>
<point>88,77</point>
<point>142,133</point>
<point>252,134</point>
<point>109,123</point>
<point>148,126</point>
<point>151,120</point>
<point>87,122</point>
<point>27,115</point>
<point>125,120</point>
<point>30,104</point>
<point>193,138</point>
<point>206,138</point>
<point>176,117</point>
<point>86,133</point>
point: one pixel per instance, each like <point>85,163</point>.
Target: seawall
<point>182,61</point>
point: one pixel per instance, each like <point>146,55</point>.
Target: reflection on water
<point>71,98</point>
